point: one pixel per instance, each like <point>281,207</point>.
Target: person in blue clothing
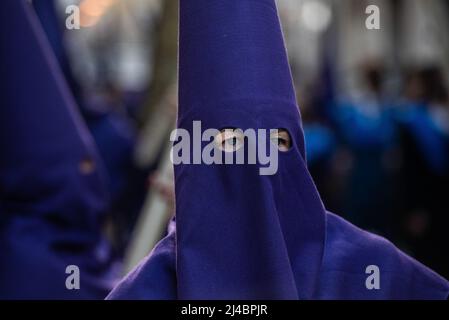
<point>113,130</point>
<point>366,127</point>
<point>53,194</point>
<point>241,235</point>
<point>423,118</point>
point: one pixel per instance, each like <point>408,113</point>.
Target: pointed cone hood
<point>51,187</point>
<point>241,235</point>
<point>232,58</point>
<point>48,165</point>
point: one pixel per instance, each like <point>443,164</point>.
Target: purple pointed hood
<point>51,181</point>
<point>240,234</point>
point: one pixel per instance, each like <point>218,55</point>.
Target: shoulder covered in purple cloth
<point>348,252</point>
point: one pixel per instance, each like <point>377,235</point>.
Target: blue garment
<point>46,12</point>
<point>240,235</point>
<point>366,124</point>
<point>52,185</point>
<point>113,132</point>
<point>416,118</point>
<point>320,142</point>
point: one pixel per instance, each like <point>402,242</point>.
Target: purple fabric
<point>51,180</point>
<point>240,235</point>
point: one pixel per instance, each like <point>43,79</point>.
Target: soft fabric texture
<point>240,235</point>
<point>52,194</point>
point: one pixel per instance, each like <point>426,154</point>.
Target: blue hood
<point>239,234</point>
<point>52,190</point>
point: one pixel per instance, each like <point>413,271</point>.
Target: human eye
<point>281,139</point>
<point>229,140</point>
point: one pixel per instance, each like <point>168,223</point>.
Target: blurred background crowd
<point>374,104</point>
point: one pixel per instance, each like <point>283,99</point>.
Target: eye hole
<point>229,140</point>
<point>281,139</point>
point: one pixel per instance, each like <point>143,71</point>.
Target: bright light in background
<point>316,15</point>
<point>91,11</point>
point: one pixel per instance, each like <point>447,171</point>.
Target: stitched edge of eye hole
<point>280,148</point>
<point>228,133</point>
